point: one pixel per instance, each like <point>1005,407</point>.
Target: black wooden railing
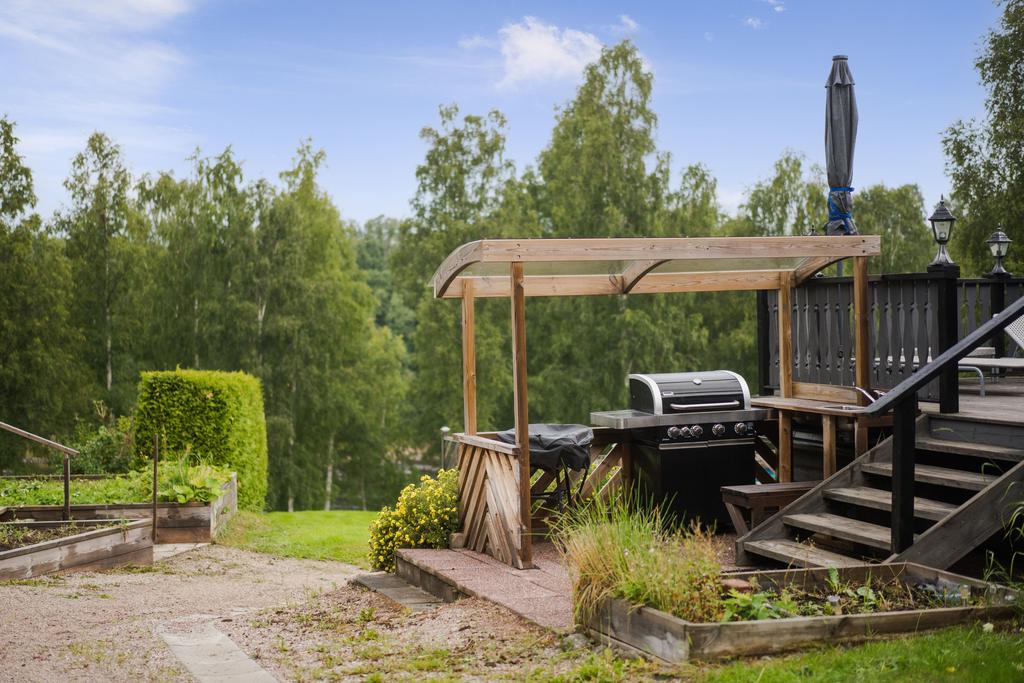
<point>913,318</point>
<point>902,401</point>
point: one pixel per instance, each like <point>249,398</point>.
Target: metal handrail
<point>66,450</point>
<point>953,354</point>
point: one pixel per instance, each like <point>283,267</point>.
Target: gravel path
<point>107,625</point>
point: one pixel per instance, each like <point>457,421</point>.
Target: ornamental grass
<point>621,549</point>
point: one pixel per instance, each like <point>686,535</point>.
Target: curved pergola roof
<point>647,265</point>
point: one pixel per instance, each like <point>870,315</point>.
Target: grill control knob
<point>684,432</point>
<point>741,428</point>
<point>673,432</point>
<point>697,431</point>
<point>718,430</point>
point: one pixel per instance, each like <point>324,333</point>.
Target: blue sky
<point>736,82</point>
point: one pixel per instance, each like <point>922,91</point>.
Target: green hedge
<point>216,416</point>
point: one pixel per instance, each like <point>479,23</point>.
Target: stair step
<point>877,499</point>
<point>943,476</point>
<point>836,526</point>
<point>796,554</point>
<point>928,443</point>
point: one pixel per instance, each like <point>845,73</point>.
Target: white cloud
<point>777,6</point>
<point>709,36</point>
<point>535,51</point>
<point>475,42</point>
<point>754,23</point>
<point>625,26</point>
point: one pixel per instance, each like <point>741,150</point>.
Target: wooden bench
<point>758,499</point>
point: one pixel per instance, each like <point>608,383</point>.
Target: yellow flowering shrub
<point>423,517</point>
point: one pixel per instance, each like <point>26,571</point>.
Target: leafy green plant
<point>178,482</point>
<point>216,414</point>
<point>741,606</point>
<point>424,516</point>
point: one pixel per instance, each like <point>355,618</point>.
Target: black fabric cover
<point>552,445</point>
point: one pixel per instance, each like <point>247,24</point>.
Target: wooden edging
<point>192,522</point>
<point>670,639</point>
<point>118,544</point>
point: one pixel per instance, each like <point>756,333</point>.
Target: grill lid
<point>681,392</point>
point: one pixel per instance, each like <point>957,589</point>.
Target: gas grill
<point>692,433</point>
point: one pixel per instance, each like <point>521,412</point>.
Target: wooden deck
<point>1003,400</point>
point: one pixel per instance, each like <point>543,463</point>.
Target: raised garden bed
<point>176,522</point>
<point>96,545</point>
<point>668,638</point>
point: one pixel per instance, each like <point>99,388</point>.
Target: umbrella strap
<point>834,212</point>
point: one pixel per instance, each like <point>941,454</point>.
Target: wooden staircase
<point>964,490</point>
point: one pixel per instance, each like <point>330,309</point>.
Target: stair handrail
<point>902,401</point>
<point>66,450</point>
<point>953,354</point>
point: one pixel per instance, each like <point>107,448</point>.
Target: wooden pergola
<point>496,509</point>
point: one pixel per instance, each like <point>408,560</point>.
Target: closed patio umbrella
<point>840,138</point>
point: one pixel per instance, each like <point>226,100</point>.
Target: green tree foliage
<point>790,202</point>
<point>378,238</point>
<point>462,183</point>
<point>602,176</point>
<point>898,215</point>
<point>39,347</point>
<point>104,245</point>
<point>985,159</point>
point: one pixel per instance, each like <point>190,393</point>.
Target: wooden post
<point>997,299</point>
<point>67,487</point>
<point>861,320</point>
<point>764,360</point>
<point>521,411</point>
<point>903,451</point>
<point>468,359</point>
<point>786,376</point>
<point>785,446</point>
<point>949,334</point>
<point>828,446</point>
<point>156,458</point>
<point>786,335</point>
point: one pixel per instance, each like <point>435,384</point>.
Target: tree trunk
<point>291,501</point>
<point>330,485</point>
<point>110,355</point>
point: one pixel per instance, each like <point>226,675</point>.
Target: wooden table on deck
<point>829,411</point>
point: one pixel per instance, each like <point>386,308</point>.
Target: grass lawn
<point>957,654</point>
<point>313,534</point>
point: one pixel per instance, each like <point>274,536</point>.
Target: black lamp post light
<point>999,245</point>
<point>942,227</point>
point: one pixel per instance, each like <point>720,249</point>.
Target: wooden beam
<point>591,285</point>
<point>522,419</point>
<point>468,359</point>
<point>786,336</point>
<point>636,270</point>
<point>861,320</point>
<point>825,392</point>
<point>647,249</point>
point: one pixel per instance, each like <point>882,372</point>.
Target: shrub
<point>103,449</point>
<point>217,416</point>
<point>625,550</point>
<point>424,516</point>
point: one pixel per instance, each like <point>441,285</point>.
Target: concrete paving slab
<point>212,657</point>
<point>398,589</point>
<point>162,551</point>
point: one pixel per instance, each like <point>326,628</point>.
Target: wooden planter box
<point>175,522</point>
<point>129,543</point>
<point>668,638</point>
